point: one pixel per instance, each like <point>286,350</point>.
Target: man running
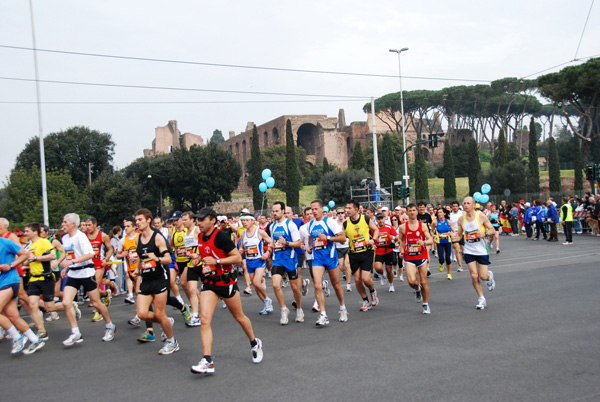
<point>192,272</point>
<point>253,241</point>
<point>98,239</point>
<point>153,259</point>
<point>177,242</point>
<point>285,260</point>
<point>127,249</point>
<point>414,240</point>
<point>384,252</point>
<point>457,243</point>
<point>358,230</point>
<point>475,226</point>
<point>78,267</point>
<point>218,253</point>
<point>322,233</point>
<point>342,250</point>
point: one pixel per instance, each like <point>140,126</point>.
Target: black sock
<point>372,290</point>
<point>366,299</point>
<point>208,359</point>
<point>253,342</point>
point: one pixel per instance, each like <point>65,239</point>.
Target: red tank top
<point>413,250</point>
<point>97,246</point>
<point>208,249</point>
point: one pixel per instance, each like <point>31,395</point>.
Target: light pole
<point>161,199</point>
<point>405,177</point>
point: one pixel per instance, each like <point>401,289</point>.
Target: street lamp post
<point>405,177</point>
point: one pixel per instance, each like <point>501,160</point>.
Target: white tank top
<point>253,246</point>
<point>473,244</point>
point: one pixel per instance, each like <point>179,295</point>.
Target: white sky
<point>480,40</point>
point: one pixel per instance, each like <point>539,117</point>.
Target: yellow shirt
<point>36,268</point>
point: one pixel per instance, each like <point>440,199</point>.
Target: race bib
<point>189,251</point>
<point>148,264</point>
<point>96,253</point>
<point>359,243</point>
<point>319,244</point>
<point>472,237</point>
<point>415,249</point>
<point>209,270</point>
<point>132,254</point>
<point>181,252</point>
<point>278,246</point>
<point>383,239</point>
<point>70,255</point>
<point>252,252</point>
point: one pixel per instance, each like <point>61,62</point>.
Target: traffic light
<point>433,141</point>
<point>400,191</point>
<point>598,172</point>
<point>589,171</point>
<point>407,192</point>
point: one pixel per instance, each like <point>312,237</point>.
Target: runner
<point>474,226</point>
<point>9,289</point>
<point>177,242</point>
<point>322,233</point>
<point>425,217</point>
<point>218,253</point>
<point>58,251</point>
<point>414,240</point>
<point>342,251</point>
<point>263,225</point>
<point>396,226</point>
<point>457,243</point>
<point>192,271</point>
<point>444,231</point>
<point>240,230</point>
<point>78,267</point>
<point>384,251</point>
<point>158,224</point>
<point>253,241</point>
<point>127,249</point>
<point>305,239</point>
<point>494,218</point>
<point>98,239</point>
<point>152,261</point>
<point>285,260</point>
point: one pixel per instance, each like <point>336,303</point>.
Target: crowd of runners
<point>203,253</point>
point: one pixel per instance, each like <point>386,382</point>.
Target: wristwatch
<point>218,261</point>
<point>328,238</point>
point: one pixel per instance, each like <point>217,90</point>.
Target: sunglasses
<point>341,213</point>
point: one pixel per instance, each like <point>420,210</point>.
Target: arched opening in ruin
<point>237,148</point>
<point>244,153</point>
<point>275,139</point>
<point>266,140</point>
<point>307,138</point>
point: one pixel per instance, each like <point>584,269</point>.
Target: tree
<point>23,201</point>
<point>533,178</point>
<point>449,178</point>
<point>421,175</point>
<point>114,196</point>
<point>274,158</point>
<point>358,158</point>
<point>509,176</point>
<point>460,157</point>
<point>388,172</point>
<point>553,167</point>
<point>293,182</point>
<point>71,150</point>
<point>500,158</point>
<point>254,168</point>
<point>474,167</point>
<point>336,185</point>
<point>578,165</point>
<point>217,137</point>
<point>326,167</point>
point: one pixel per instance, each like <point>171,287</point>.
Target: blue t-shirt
<point>299,222</point>
<point>8,250</point>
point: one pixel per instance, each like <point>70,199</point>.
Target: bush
<point>336,185</point>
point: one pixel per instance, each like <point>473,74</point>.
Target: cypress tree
<point>326,167</point>
<point>500,156</point>
<point>389,170</point>
<point>578,168</point>
<point>533,179</point>
<point>358,157</point>
<point>449,178</point>
<point>254,168</point>
<point>421,176</point>
<point>474,167</point>
<point>553,166</point>
<point>292,176</point>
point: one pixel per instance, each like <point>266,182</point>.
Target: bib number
<point>319,244</point>
<point>414,249</point>
<point>252,252</point>
<point>472,237</point>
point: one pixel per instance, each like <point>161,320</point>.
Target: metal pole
<point>375,153</point>
<point>41,131</point>
<point>406,176</point>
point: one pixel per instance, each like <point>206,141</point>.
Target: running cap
<point>176,215</point>
<point>379,215</point>
<point>245,211</point>
<point>340,210</point>
<point>206,211</point>
<point>222,218</point>
<point>398,208</point>
<point>384,208</point>
<point>527,204</point>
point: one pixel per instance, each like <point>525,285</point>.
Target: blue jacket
<point>528,215</point>
<point>540,213</point>
<point>552,213</point>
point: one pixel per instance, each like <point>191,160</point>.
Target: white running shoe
<point>53,316</point>
<point>203,367</point>
<point>195,322</point>
<point>460,269</point>
<point>130,299</point>
<point>169,348</point>
<point>391,288</point>
<point>223,304</point>
<point>247,291</point>
<point>326,291</point>
<point>366,306</point>
<point>109,334</point>
<point>322,321</point>
<point>284,316</point>
<point>305,283</point>
<point>135,321</point>
<point>491,283</point>
<point>257,352</point>
<point>401,277</point>
<point>33,347</point>
<point>343,315</point>
<point>315,307</point>
<point>481,303</point>
<point>73,339</point>
<point>374,299</point>
<point>426,309</point>
<point>269,305</point>
<point>18,344</point>
<point>418,297</point>
<point>348,287</point>
<point>299,315</point>
<point>383,279</point>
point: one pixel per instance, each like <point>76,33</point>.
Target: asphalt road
<point>537,341</point>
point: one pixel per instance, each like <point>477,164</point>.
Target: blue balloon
<point>477,196</point>
<point>262,187</point>
<point>331,204</point>
<point>484,198</point>
<point>485,189</point>
<point>325,209</point>
<point>270,182</point>
<point>266,174</point>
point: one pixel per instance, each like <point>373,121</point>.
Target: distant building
<point>169,137</point>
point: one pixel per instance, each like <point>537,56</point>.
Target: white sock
<point>172,340</point>
<point>75,330</point>
<point>323,313</point>
<point>342,307</point>
<point>12,331</point>
<point>31,336</point>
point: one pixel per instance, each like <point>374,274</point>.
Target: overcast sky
<point>464,40</point>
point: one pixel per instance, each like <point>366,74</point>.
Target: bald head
<point>468,204</point>
<point>289,214</point>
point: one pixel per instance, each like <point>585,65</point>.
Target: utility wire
<point>582,32</point>
<point>561,64</point>
<point>293,70</point>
